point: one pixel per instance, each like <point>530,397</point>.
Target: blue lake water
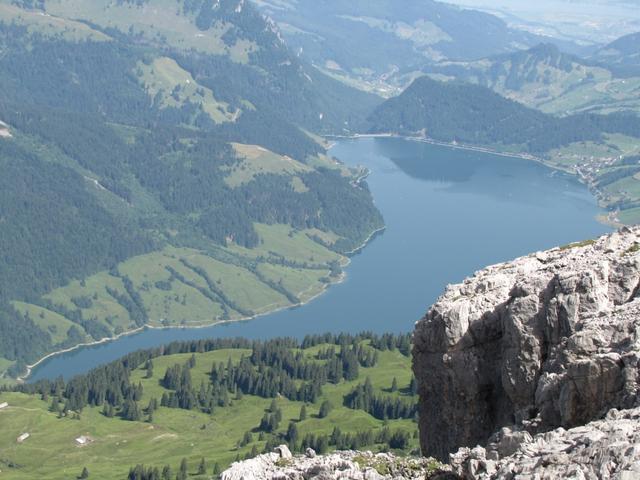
<point>448,213</point>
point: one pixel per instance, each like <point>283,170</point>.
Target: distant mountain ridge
<point>372,39</point>
<point>548,79</point>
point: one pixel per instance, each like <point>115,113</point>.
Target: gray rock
<point>604,449</point>
<point>338,465</point>
<point>284,452</point>
<point>548,340</point>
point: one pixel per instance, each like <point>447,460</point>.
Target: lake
<point>448,213</point>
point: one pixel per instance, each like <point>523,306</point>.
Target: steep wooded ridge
<point>158,168</point>
<point>472,114</point>
<point>521,348</point>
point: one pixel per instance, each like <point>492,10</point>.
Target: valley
<point>454,194</point>
<point>220,220</point>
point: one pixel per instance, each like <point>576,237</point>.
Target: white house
<point>23,437</point>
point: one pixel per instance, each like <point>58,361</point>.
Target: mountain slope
<point>368,41</point>
<point>545,78</point>
<point>472,114</point>
<point>158,169</point>
<point>622,55</point>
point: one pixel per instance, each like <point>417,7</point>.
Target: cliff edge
<point>545,341</point>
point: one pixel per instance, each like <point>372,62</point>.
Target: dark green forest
<point>475,115</point>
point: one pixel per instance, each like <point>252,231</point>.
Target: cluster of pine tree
<point>140,472</point>
<point>383,407</point>
<point>272,370</point>
<point>275,368</point>
<point>398,439</point>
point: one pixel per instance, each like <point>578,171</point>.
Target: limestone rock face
<point>337,465</point>
<point>548,340</point>
<point>605,449</point>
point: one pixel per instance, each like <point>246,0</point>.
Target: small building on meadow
<point>83,440</point>
<point>3,405</point>
<point>23,437</point>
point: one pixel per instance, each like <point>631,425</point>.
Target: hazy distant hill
<point>548,79</point>
<point>622,55</point>
<point>368,39</point>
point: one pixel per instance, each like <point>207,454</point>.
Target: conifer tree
<point>292,433</point>
<point>325,408</point>
<point>149,367</point>
<point>167,474</point>
<point>182,471</point>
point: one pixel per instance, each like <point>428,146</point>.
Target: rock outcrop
<point>549,340</point>
<point>604,449</point>
<point>281,465</point>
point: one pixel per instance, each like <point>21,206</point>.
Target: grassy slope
<point>256,160</point>
<point>157,21</point>
<point>47,25</point>
<point>175,86</point>
<point>51,452</point>
<point>183,302</point>
<point>598,159</point>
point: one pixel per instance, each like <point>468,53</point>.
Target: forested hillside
<point>211,402</point>
<point>472,114</point>
<point>158,168</point>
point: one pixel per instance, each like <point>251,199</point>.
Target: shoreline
<point>324,288</point>
<point>608,218</point>
<point>460,146</point>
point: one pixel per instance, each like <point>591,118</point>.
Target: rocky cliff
<point>549,340</point>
